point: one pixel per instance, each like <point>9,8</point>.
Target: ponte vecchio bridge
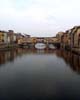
<point>32,41</point>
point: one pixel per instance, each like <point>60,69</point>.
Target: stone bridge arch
<point>44,41</point>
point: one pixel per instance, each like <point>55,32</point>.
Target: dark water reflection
<point>39,75</point>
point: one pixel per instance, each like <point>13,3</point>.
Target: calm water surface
<point>39,75</point>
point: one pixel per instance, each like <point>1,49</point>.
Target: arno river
<point>39,75</point>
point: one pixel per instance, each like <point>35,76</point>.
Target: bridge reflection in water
<point>40,46</point>
<point>72,60</point>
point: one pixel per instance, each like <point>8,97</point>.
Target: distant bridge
<point>32,41</point>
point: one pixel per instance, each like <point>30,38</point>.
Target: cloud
<point>39,16</point>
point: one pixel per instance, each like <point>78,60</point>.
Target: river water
<point>39,75</point>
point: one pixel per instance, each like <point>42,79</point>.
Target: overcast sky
<point>39,17</point>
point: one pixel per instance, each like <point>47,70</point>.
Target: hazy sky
<point>39,17</point>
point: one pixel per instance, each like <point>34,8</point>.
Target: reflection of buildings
<point>71,59</point>
<point>2,58</point>
<point>6,56</point>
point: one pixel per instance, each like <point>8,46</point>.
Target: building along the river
<point>75,34</point>
<point>75,38</point>
<point>70,39</point>
<point>19,38</point>
<point>11,37</point>
<point>59,36</point>
<point>66,40</point>
<point>3,39</point>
